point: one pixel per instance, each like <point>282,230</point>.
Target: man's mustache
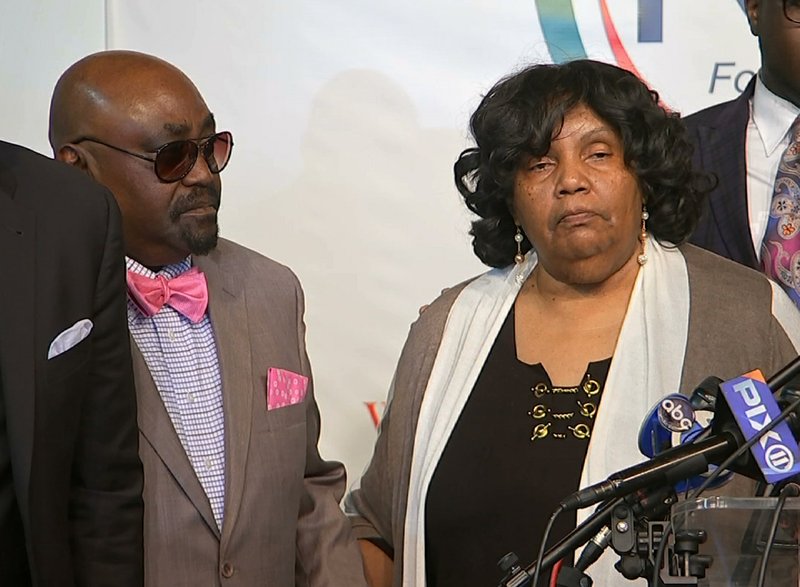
<point>197,198</point>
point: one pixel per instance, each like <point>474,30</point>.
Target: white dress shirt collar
<point>773,117</point>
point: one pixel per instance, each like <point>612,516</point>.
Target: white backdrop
<point>347,117</point>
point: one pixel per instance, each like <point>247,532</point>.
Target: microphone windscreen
<point>675,420</point>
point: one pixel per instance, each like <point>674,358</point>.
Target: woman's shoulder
<point>714,275</point>
<point>731,295</point>
<point>434,315</point>
<point>738,319</point>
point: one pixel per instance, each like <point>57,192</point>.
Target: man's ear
<point>751,8</point>
<point>75,156</point>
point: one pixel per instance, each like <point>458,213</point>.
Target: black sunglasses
<point>173,161</point>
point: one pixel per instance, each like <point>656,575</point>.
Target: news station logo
<point>660,42</point>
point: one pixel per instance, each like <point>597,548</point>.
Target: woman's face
<point>579,204</point>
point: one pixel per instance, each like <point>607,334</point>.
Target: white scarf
<point>647,364</point>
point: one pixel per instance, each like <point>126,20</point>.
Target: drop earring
<point>518,238</point>
<point>642,258</point>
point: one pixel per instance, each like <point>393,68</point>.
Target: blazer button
<point>227,570</point>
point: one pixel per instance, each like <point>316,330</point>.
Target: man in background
<point>70,476</point>
<point>235,490</point>
<point>751,145</point>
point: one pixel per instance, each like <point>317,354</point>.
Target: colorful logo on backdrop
<point>563,37</point>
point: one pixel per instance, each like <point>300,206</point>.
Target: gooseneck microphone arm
<point>668,468</point>
<point>674,464</point>
<point>785,375</point>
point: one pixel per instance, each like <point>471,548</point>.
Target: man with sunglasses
<point>750,144</point>
<point>235,490</point>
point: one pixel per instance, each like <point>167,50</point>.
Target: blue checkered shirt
<point>182,358</point>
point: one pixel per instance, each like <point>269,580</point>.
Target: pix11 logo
<point>562,35</point>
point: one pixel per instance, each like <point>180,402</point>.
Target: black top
<point>516,451</point>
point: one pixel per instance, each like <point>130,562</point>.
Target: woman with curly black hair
<point>518,387</point>
<point>521,115</point>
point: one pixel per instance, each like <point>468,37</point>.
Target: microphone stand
<point>623,515</point>
<point>516,576</point>
<point>640,543</point>
<point>634,537</point>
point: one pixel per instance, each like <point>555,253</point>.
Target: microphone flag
<point>753,406</point>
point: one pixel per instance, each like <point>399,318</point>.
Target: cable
<point>662,547</point>
<point>539,558</point>
<point>554,573</point>
<point>579,535</point>
<point>791,490</point>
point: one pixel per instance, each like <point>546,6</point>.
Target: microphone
<point>676,420</point>
<point>704,396</point>
<point>748,407</point>
<point>667,468</point>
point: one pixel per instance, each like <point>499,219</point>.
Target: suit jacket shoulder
<point>712,115</point>
<point>68,190</point>
<point>252,267</point>
<point>718,134</point>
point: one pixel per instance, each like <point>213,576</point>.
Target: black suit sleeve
<point>105,502</point>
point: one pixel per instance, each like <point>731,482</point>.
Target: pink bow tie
<point>187,293</point>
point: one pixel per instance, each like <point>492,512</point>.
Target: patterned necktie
<point>187,293</point>
<point>780,250</point>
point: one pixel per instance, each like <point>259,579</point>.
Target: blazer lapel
<point>228,310</point>
<point>17,336</point>
<point>728,203</point>
<point>156,426</point>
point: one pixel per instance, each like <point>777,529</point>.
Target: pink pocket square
<point>285,388</point>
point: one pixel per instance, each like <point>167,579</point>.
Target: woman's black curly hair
<point>519,118</point>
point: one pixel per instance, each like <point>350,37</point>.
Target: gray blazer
<point>283,525</point>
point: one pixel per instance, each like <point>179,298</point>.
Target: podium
<point>737,530</point>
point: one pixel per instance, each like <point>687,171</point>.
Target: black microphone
<point>668,468</point>
<point>680,462</point>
